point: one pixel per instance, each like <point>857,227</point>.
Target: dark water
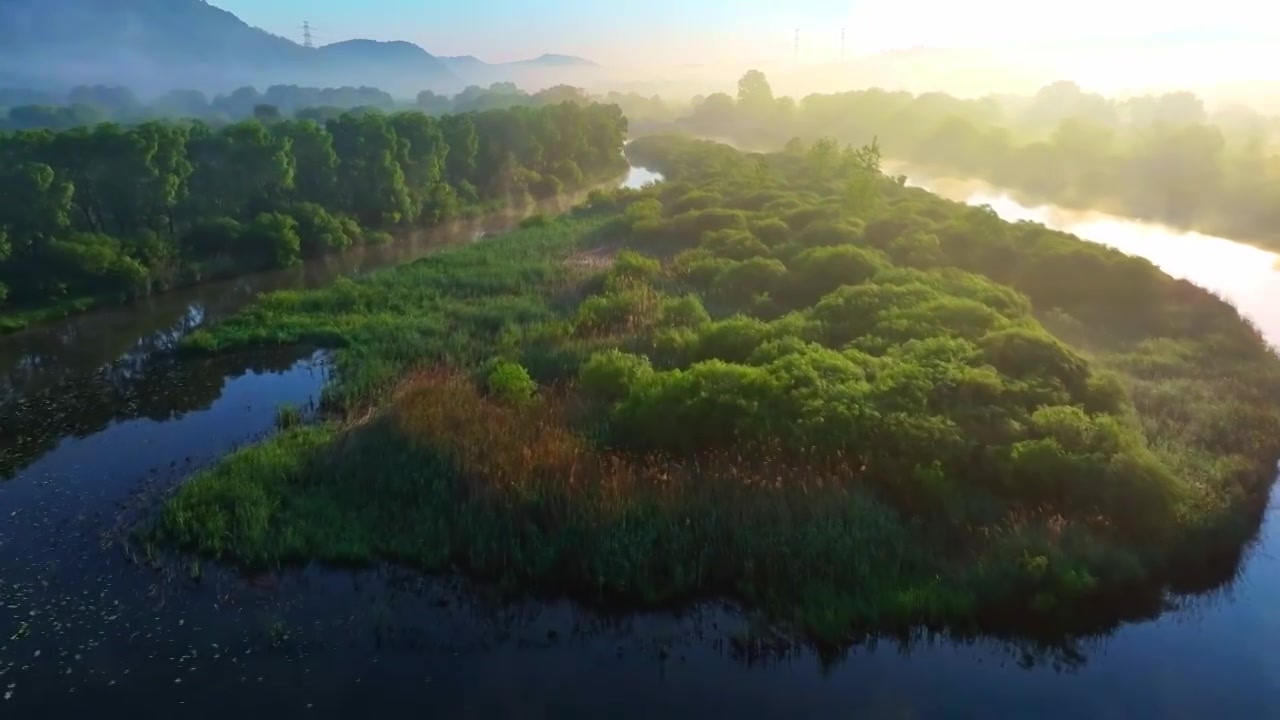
<point>89,626</point>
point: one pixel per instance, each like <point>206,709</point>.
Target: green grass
<point>460,305</point>
<point>404,487</point>
<point>15,320</point>
<point>812,458</point>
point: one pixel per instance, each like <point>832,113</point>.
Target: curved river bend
<point>93,422</point>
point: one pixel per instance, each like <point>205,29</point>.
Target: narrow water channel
<point>84,627</point>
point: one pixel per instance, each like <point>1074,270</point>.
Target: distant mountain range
<point>154,46</point>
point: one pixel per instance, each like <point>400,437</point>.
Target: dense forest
<point>1162,158</point>
<point>89,105</point>
<point>785,378</point>
<point>110,211</point>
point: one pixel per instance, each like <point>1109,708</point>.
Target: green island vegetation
<point>785,379</point>
<point>1163,158</point>
<point>108,212</point>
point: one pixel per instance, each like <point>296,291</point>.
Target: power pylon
<point>306,35</point>
<point>797,45</point>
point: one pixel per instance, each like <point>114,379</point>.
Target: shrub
<point>609,375</point>
<point>320,232</point>
<point>510,383</point>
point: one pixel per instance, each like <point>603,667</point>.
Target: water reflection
<point>155,387</point>
<point>638,177</point>
<point>74,377</point>
<point>1247,276</point>
<point>54,353</point>
<point>334,644</point>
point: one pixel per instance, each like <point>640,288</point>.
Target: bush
<point>740,282</point>
<point>510,383</point>
<point>375,238</point>
<point>734,245</point>
<point>610,375</point>
<point>684,311</point>
<point>644,211</point>
<point>91,263</point>
<point>535,221</point>
<point>825,233</point>
<point>319,232</point>
<point>271,240</point>
<point>818,271</point>
<point>212,237</point>
<point>623,310</point>
<point>631,268</point>
<point>771,231</point>
<point>696,200</point>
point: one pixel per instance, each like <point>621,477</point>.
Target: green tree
<point>422,156</point>
<point>271,240</point>
<point>37,209</point>
<point>371,183</point>
<point>315,161</point>
<point>238,171</point>
<point>754,91</point>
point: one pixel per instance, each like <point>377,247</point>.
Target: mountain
<point>462,64</point>
<point>158,45</point>
<point>549,60</point>
<point>398,67</point>
<point>535,74</point>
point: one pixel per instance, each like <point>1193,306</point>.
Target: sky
<point>634,33</point>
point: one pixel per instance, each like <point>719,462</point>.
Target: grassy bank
<point>115,213</point>
<point>16,320</point>
<point>785,379</point>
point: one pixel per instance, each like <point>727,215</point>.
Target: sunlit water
<point>638,177</point>
<point>1247,276</point>
<point>84,629</point>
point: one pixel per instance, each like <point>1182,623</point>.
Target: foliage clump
<point>509,382</point>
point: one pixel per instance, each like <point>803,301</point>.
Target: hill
<point>534,74</point>
<point>158,45</point>
<point>550,60</point>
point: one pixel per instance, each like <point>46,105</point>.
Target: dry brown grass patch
<point>536,450</point>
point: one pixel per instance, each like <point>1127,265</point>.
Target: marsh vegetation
<point>782,378</point>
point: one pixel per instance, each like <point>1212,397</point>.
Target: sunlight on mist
<point>1107,45</point>
<point>1015,23</point>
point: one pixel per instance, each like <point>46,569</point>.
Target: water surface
<point>87,626</point>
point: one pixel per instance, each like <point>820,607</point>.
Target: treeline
<point>121,212</point>
<point>89,105</point>
<point>1163,158</point>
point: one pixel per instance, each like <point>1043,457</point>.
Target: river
<point>87,624</point>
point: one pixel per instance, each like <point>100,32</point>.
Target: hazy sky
<point>673,32</point>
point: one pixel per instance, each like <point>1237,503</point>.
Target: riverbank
<point>1228,227</point>
<point>190,203</point>
<point>1250,230</point>
<point>990,466</point>
<point>16,320</point>
<point>453,231</point>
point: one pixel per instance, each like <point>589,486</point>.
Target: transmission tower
<point>797,45</point>
<point>306,35</point>
<point>841,44</point>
